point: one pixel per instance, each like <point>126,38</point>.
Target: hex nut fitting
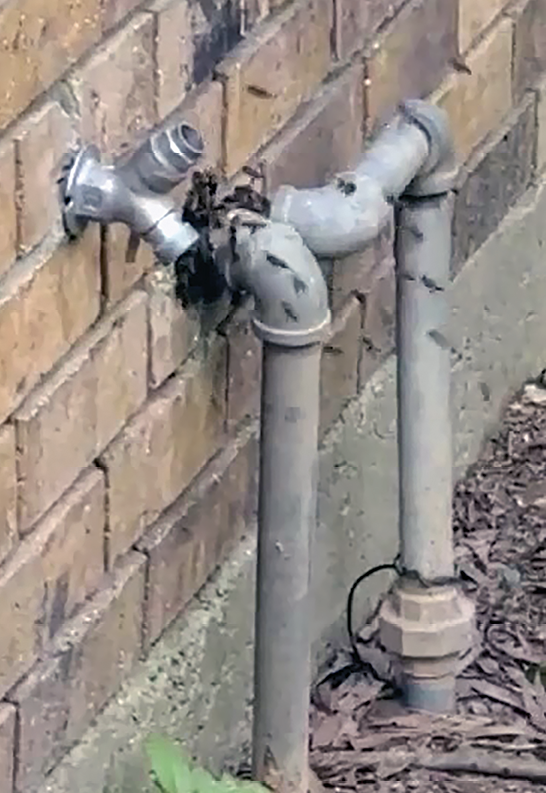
<point>428,624</point>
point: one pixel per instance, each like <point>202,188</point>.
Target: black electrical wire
<point>350,601</point>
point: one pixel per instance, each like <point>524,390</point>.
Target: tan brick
<point>477,102</point>
<point>244,367</point>
<point>325,138</point>
<point>357,21</point>
<point>410,56</point>
<point>174,330</point>
<point>7,746</point>
<point>113,11</point>
<point>40,146</point>
<point>51,572</point>
<point>69,420</point>
<point>474,17</point>
<point>125,259</point>
<point>8,491</point>
<point>46,302</point>
<point>379,321</point>
<point>40,39</point>
<point>175,48</point>
<point>529,18</point>
<point>188,542</point>
<point>8,227</point>
<point>116,88</point>
<point>267,78</point>
<point>355,274</point>
<point>88,661</point>
<point>158,454</point>
<point>339,365</point>
<point>541,120</point>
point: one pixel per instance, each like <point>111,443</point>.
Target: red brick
<point>163,448</point>
<point>8,491</point>
<point>529,45</point>
<point>7,746</point>
<point>267,78</point>
<point>40,146</point>
<point>68,421</point>
<point>40,39</point>
<point>116,88</point>
<point>339,365</point>
<point>52,571</point>
<point>47,302</point>
<point>357,21</point>
<point>324,138</point>
<point>64,692</point>
<point>174,330</point>
<point>8,227</point>
<point>244,367</point>
<point>188,542</point>
<point>410,56</point>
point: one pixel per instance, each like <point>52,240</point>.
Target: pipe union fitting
<point>419,623</point>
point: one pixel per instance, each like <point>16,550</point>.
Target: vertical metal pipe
<point>287,507</point>
<point>423,253</point>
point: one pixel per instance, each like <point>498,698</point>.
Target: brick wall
<point>127,424</point>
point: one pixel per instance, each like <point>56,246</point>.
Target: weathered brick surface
<point>174,330</point>
<point>188,542</point>
<point>474,17</point>
<point>174,53</point>
<point>116,88</point>
<point>339,364</point>
<point>324,138</point>
<point>46,303</point>
<point>266,78</point>
<point>529,44</point>
<point>40,146</point>
<point>7,746</point>
<point>355,274</point>
<point>113,11</point>
<point>124,260</point>
<point>379,320</point>
<point>494,179</point>
<point>410,57</point>
<point>357,21</point>
<point>50,573</point>
<point>68,421</point>
<point>158,454</point>
<point>8,226</point>
<point>475,112</point>
<point>541,123</point>
<point>64,692</point>
<point>40,40</point>
<point>244,352</point>
<point>8,491</point>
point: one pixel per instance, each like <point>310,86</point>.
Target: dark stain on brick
<point>58,606</point>
<point>493,183</point>
<point>222,34</point>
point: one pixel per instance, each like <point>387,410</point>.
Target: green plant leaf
<point>171,770</point>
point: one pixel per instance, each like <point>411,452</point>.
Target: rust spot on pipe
<point>299,285</point>
<point>431,285</point>
<point>276,262</point>
<point>289,311</point>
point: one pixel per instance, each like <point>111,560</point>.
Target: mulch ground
<point>361,737</point>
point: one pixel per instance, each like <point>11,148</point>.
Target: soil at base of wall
<point>361,737</point>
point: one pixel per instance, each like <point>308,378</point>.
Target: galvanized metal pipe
<point>423,248</point>
<point>287,513</point>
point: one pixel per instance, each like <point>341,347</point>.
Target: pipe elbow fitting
<point>413,153</point>
<point>132,193</point>
<point>335,220</point>
<point>275,266</point>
